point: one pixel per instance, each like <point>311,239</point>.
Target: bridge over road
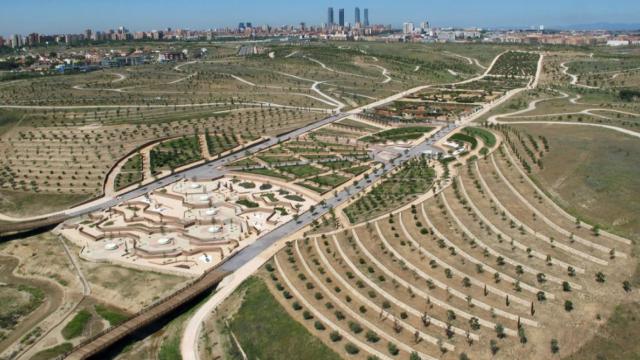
<point>92,348</point>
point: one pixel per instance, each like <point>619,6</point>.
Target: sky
<point>73,16</point>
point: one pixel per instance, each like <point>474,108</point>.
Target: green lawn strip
<point>114,317</point>
<point>358,124</point>
<point>266,172</point>
<point>340,164</point>
<point>487,136</point>
<point>294,197</point>
<point>277,159</point>
<point>244,162</point>
<point>301,171</point>
<point>357,170</point>
<point>126,179</point>
<point>247,203</point>
<point>134,163</point>
<point>265,330</point>
<point>312,188</point>
<point>459,137</point>
<point>332,180</point>
<point>404,133</point>
<point>53,352</point>
<point>75,327</point>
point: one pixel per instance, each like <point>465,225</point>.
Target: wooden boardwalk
<point>100,342</point>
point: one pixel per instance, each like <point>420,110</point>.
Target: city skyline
<point>74,16</point>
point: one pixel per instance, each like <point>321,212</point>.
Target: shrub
<point>568,305</point>
<point>372,337</point>
<point>351,349</point>
<point>307,315</point>
<point>335,336</point>
<point>355,327</point>
<point>318,325</point>
<point>296,306</point>
<point>393,349</point>
<point>493,345</point>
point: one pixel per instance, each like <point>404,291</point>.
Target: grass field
<point>75,327</point>
<point>265,330</point>
<point>593,173</point>
<point>53,352</point>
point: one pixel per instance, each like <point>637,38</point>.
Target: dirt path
<point>53,300</point>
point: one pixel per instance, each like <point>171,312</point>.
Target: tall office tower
<point>366,17</point>
<point>249,25</point>
<point>15,43</point>
<point>357,15</point>
<point>87,34</point>
<point>330,17</point>
<point>408,28</point>
<point>341,17</point>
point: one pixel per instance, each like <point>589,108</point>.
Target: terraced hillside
<point>485,267</point>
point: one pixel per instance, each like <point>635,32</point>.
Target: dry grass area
<point>128,288</point>
<point>592,173</point>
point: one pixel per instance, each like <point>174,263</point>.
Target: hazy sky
<point>63,16</point>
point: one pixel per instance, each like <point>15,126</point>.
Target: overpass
<point>91,348</point>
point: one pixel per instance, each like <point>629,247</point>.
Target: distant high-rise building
<point>330,21</point>
<point>87,34</point>
<point>366,17</point>
<point>341,17</point>
<point>249,25</point>
<point>15,41</point>
<point>357,15</point>
<point>408,28</point>
<point>1,41</point>
<point>241,26</point>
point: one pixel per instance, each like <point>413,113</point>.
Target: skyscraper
<point>408,27</point>
<point>15,41</point>
<point>330,17</point>
<point>366,17</point>
<point>341,17</point>
<point>357,15</point>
